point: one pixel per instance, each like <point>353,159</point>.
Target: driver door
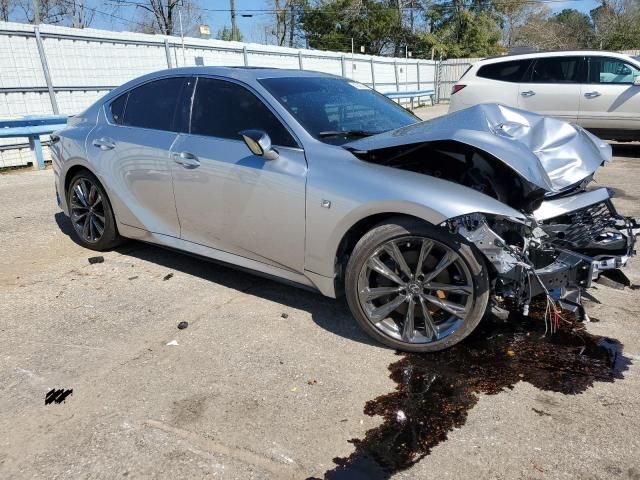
<point>610,100</point>
<point>228,198</point>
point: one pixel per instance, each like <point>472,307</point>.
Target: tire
<point>99,216</point>
<point>453,309</point>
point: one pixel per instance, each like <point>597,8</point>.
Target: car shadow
<point>331,314</point>
<point>628,150</point>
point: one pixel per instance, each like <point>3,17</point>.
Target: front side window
<point>336,110</point>
<point>512,71</point>
<point>557,70</point>
<point>611,70</point>
<point>153,104</point>
<point>223,109</point>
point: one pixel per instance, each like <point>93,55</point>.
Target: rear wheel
<point>91,214</point>
<point>415,287</point>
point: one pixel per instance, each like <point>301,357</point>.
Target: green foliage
<point>332,25</point>
<point>226,33</point>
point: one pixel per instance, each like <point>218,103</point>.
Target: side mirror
<point>259,143</point>
<point>636,81</point>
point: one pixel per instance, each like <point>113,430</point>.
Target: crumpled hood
<point>547,152</point>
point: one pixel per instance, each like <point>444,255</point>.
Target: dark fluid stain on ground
<point>435,391</point>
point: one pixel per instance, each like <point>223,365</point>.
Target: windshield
<point>336,110</point>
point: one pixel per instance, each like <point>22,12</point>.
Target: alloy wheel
<point>87,210</point>
<point>415,289</point>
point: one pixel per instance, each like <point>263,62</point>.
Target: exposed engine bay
<point>568,234</point>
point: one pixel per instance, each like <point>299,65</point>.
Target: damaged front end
<point>541,167</point>
<point>558,251</point>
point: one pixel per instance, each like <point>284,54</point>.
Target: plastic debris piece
<point>294,389</point>
<point>99,259</point>
<point>167,276</point>
<point>312,382</point>
<point>400,416</point>
<point>172,342</point>
<point>133,278</point>
<point>284,315</point>
<point>511,353</point>
<point>183,325</point>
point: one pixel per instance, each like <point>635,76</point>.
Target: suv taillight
<point>456,88</point>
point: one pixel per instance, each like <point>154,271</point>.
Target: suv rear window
<point>511,71</point>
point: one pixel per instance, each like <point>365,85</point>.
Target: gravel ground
<point>248,392</point>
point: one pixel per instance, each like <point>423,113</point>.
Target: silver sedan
<point>324,183</point>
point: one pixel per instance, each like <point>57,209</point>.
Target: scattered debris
<point>312,382</point>
<point>400,416</point>
<point>183,325</point>
<point>133,278</point>
<point>172,342</point>
<point>294,389</point>
<point>167,276</point>
<point>98,259</point>
<point>542,413</point>
<point>284,315</point>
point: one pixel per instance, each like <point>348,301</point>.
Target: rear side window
<point>512,71</point>
<point>153,104</point>
<point>557,70</point>
<point>222,109</point>
<point>117,108</point>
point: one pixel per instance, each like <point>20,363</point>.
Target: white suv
<point>597,90</point>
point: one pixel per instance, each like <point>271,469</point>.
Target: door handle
<point>104,143</point>
<point>186,159</point>
<point>592,94</point>
<point>528,93</point>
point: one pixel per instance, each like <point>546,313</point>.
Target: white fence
<point>49,69</point>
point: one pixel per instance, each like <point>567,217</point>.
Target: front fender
<point>357,190</point>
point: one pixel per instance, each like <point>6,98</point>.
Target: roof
<point>552,53</point>
<point>244,73</point>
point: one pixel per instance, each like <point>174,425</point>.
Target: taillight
<point>456,88</point>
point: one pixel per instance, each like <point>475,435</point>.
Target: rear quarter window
<point>512,71</point>
<point>117,108</point>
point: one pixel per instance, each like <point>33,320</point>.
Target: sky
<point>253,28</point>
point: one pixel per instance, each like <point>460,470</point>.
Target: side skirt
<point>309,281</point>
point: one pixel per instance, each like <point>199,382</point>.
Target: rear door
<point>610,100</point>
<point>131,147</point>
<point>495,83</point>
<point>552,87</point>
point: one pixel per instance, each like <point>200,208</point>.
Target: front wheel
<point>415,287</point>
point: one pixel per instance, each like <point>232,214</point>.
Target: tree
<point>566,30</point>
<point>227,34</point>
<point>49,11</point>
<point>333,24</point>
<point>5,9</point>
<point>462,28</point>
<point>617,24</point>
<point>163,16</point>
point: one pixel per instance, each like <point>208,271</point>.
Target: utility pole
<point>234,25</point>
<point>36,12</point>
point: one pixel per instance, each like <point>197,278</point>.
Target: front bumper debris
<point>565,248</point>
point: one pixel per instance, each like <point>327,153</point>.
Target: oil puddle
<point>435,392</point>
